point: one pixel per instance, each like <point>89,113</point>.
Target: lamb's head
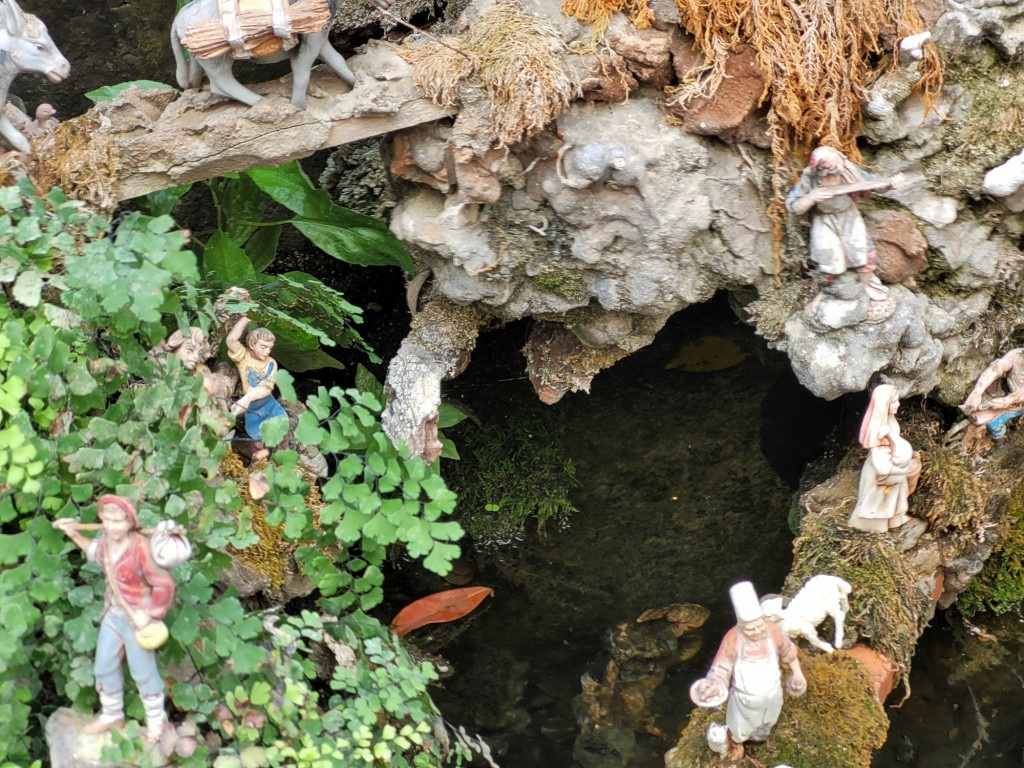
<point>772,608</point>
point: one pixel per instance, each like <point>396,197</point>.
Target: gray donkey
<point>218,69</point>
<point>25,46</point>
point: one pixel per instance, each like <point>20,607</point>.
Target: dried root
<point>518,58</point>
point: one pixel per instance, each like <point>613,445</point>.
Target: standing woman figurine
<point>891,469</point>
<point>139,593</point>
<point>257,370</point>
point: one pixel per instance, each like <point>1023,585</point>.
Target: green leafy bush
<point>85,410</point>
<point>303,312</point>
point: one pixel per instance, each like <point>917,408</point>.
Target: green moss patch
<point>838,723</point>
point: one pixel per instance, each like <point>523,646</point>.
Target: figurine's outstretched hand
<point>65,524</point>
<point>796,684</point>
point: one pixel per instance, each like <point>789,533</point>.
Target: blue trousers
<point>116,642</point>
<point>997,427</point>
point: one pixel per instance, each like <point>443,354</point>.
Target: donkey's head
<point>28,45</point>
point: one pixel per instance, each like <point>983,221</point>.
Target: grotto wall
<point>610,211</point>
<point>622,212</point>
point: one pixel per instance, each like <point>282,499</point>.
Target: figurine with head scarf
<point>891,469</point>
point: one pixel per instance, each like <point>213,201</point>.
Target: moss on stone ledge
<point>837,723</point>
<point>567,283</point>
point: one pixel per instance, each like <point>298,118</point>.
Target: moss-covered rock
<point>838,723</point>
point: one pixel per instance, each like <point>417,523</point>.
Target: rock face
<point>614,218</point>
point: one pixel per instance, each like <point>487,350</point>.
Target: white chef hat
<point>745,602</point>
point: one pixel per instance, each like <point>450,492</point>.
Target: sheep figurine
<point>821,596</point>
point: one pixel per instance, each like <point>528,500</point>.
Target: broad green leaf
<point>449,415</point>
<point>108,92</point>
<point>356,245</point>
<point>299,360</point>
<point>289,186</point>
<point>262,246</point>
<point>242,206</point>
<point>225,262</point>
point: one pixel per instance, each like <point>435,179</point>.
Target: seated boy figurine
<point>257,370</point>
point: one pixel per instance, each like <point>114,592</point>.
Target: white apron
<point>755,697</point>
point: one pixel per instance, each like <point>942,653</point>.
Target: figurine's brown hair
<point>259,334</point>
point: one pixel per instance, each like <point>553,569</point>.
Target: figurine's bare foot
<point>102,724</point>
<point>259,452</point>
<point>735,751</point>
<point>875,290</point>
<point>812,308</point>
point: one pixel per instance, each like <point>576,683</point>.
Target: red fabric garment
<point>142,583</point>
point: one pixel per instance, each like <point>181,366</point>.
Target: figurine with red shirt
<point>139,593</point>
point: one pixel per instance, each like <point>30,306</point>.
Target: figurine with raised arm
<point>138,596</point>
<point>257,370</point>
<point>746,674</point>
<point>987,406</point>
<point>829,188</point>
<point>891,469</point>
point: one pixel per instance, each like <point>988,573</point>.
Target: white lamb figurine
<point>821,596</point>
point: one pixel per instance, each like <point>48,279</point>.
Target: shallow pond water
<point>686,481</point>
<point>966,708</point>
<point>677,501</point>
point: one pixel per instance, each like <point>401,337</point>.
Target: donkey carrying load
<point>25,46</point>
<point>217,32</point>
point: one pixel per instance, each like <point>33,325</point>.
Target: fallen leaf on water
<point>707,354</point>
<point>438,608</point>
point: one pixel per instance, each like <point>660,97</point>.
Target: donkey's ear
<point>12,17</point>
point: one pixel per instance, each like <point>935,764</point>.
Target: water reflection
<point>677,501</point>
<point>965,709</point>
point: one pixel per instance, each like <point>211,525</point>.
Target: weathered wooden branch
<point>145,140</point>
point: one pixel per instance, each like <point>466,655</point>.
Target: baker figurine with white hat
<point>746,674</point>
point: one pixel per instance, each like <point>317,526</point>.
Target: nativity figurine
<point>216,32</point>
<point>997,397</point>
<point>745,675</point>
<point>828,189</point>
<point>821,597</point>
<point>257,370</point>
<point>193,350</point>
<point>138,595</point>
<point>891,469</point>
<point>25,46</point>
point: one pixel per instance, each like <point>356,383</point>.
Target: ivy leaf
<point>272,431</point>
<point>28,288</point>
